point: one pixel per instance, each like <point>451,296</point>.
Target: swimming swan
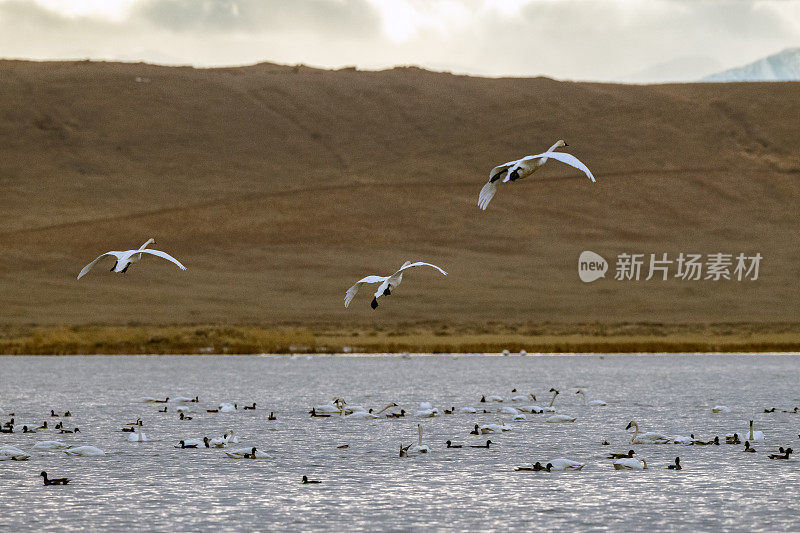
<point>50,445</point>
<point>387,283</point>
<point>591,403</point>
<point>522,168</point>
<point>565,464</point>
<point>84,451</point>
<point>420,448</point>
<point>646,438</point>
<point>555,419</point>
<point>752,436</point>
<point>137,436</point>
<point>126,258</point>
<point>630,464</point>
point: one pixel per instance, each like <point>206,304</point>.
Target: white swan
<point>555,419</point>
<point>334,407</point>
<point>467,410</point>
<point>200,443</point>
<point>752,436</point>
<point>494,428</point>
<point>137,436</point>
<point>125,258</point>
<point>230,438</point>
<point>565,464</point>
<point>522,168</point>
<point>11,453</point>
<point>523,398</point>
<point>630,463</point>
<point>217,442</point>
<point>550,408</point>
<point>427,413</point>
<point>420,448</point>
<point>361,415</point>
<point>387,283</point>
<point>720,409</point>
<point>682,440</point>
<point>508,411</point>
<point>84,451</point>
<point>182,399</point>
<point>591,403</point>
<point>226,407</point>
<point>50,445</point>
<point>647,438</point>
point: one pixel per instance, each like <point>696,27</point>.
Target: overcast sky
<point>567,39</point>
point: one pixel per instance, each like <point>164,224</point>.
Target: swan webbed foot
<point>113,267</point>
<point>124,270</point>
<point>387,292</point>
<point>374,303</point>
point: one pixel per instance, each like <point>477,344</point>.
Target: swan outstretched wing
<point>564,157</point>
<point>88,267</point>
<point>572,161</point>
<point>163,255</point>
<point>486,194</point>
<point>490,189</point>
<point>352,291</point>
<point>397,276</point>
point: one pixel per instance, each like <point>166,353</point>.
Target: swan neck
<point>145,245</point>
<point>554,399</point>
<point>552,148</point>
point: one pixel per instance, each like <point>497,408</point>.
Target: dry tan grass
<point>280,187</point>
<point>428,338</point>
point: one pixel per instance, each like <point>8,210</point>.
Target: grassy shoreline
<point>411,337</point>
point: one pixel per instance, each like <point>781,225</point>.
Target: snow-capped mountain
<point>783,66</point>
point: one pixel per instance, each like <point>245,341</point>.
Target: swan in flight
<point>387,283</point>
<point>646,438</point>
<point>522,168</point>
<point>125,258</point>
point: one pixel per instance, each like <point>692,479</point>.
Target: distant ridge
<point>783,66</point>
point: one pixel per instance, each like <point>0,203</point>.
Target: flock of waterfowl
<point>515,408</point>
<point>507,172</point>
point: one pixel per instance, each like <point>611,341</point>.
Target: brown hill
<point>280,186</point>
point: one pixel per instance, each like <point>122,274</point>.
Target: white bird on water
<point>387,283</point>
<point>522,168</point>
<point>125,258</point>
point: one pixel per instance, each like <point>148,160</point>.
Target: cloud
<point>573,39</point>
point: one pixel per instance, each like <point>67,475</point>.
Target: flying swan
<point>522,168</point>
<point>126,258</point>
<point>387,283</point>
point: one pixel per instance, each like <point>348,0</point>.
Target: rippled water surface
<point>367,486</point>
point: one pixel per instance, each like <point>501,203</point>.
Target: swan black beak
<point>565,144</point>
<point>374,303</point>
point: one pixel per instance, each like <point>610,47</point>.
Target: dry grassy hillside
<point>279,187</point>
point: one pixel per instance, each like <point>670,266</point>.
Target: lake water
<point>153,486</point>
